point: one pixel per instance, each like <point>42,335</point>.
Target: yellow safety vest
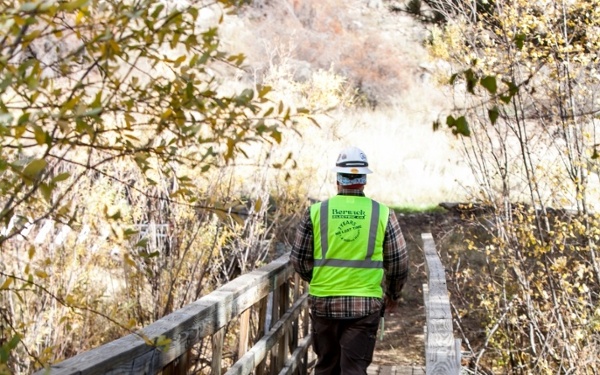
<point>348,246</point>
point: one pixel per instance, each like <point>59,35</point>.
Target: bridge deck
<point>395,370</point>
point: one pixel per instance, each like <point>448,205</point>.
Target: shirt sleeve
<point>395,258</point>
<point>302,255</point>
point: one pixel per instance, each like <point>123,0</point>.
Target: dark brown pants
<point>344,346</point>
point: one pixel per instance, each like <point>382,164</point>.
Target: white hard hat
<point>352,160</point>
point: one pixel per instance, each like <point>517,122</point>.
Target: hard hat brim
<point>352,170</point>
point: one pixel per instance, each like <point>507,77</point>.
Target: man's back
<point>347,247</point>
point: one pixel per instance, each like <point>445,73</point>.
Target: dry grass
<point>371,55</point>
<point>315,54</point>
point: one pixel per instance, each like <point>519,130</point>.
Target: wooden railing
<point>265,311</point>
<point>272,292</point>
<point>442,351</point>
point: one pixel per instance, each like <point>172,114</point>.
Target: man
<point>352,252</point>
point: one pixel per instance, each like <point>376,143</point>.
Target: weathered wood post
<point>262,328</point>
<point>442,351</point>
<point>281,354</point>
<point>244,334</point>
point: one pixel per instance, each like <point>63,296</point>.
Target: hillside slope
<point>379,51</point>
<point>320,54</point>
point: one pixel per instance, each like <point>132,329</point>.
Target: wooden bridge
<point>264,314</point>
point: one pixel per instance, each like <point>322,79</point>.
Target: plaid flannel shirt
<point>395,264</point>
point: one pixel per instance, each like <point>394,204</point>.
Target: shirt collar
<point>351,192</point>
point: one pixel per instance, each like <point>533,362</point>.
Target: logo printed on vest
<point>348,214</point>
<point>348,230</point>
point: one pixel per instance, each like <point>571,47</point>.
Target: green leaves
<point>73,5</point>
<point>499,96</point>
<point>458,125</point>
<point>276,135</point>
<point>6,81</point>
<point>493,114</point>
<point>33,170</point>
<point>245,97</point>
<point>489,83</point>
<point>7,347</point>
<point>520,40</point>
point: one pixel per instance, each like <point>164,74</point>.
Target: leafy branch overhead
<point>88,83</point>
<point>525,50</point>
<point>489,83</point>
<point>112,116</point>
